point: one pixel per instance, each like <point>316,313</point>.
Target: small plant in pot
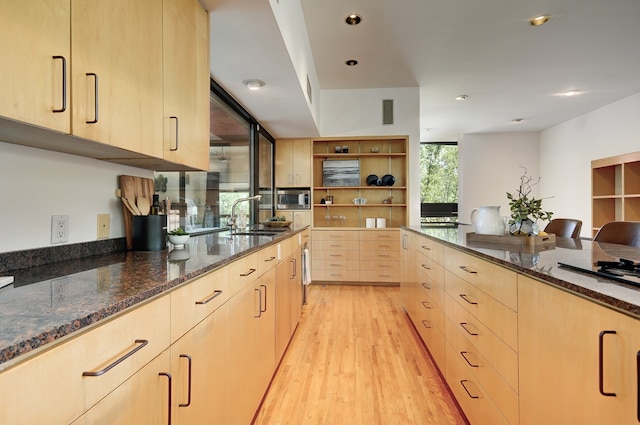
<point>525,210</point>
<point>178,237</point>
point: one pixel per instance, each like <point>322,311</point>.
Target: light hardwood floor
<point>355,359</point>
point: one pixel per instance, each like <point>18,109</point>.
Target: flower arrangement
<point>525,210</point>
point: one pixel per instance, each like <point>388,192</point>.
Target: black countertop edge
<point>601,298</point>
<point>22,350</point>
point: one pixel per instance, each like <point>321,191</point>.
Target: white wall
<point>490,166</point>
<point>359,113</point>
<point>36,184</point>
<point>566,152</point>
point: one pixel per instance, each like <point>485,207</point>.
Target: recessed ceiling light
<point>570,93</point>
<point>539,20</point>
<point>353,19</point>
<point>517,120</point>
<point>462,97</point>
<point>351,62</point>
<point>253,84</point>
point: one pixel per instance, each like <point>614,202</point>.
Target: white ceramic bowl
<point>178,241</point>
<point>359,201</point>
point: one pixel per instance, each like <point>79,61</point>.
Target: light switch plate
<point>104,225</point>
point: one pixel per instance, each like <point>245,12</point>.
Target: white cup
<point>371,223</point>
<point>381,223</point>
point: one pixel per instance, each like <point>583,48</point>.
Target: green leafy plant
<point>523,207</point>
<point>178,232</point>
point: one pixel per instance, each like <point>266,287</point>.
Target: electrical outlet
<point>59,228</point>
<point>104,221</point>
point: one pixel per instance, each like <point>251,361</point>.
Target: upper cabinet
<point>34,79</point>
<point>128,79</point>
<point>116,77</point>
<point>615,184</point>
<point>293,163</point>
<point>186,83</point>
<point>360,182</point>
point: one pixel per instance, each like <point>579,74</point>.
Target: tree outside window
<point>439,182</point>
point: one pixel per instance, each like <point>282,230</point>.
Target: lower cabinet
<point>288,299</point>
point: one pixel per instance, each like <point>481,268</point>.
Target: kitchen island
<point>520,339</point>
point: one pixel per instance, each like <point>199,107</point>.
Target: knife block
<point>149,232</point>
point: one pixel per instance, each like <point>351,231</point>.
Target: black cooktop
<point>625,271</point>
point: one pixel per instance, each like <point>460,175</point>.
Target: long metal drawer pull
<point>463,324</point>
<point>466,269</point>
<point>247,273</point>
<point>384,266</point>
<point>425,285</point>
<point>265,299</point>
<point>270,259</point>
<point>95,90</point>
<point>601,363</point>
<point>259,302</point>
<point>464,297</point>
<point>425,324</point>
<point>462,381</point>
<point>335,265</point>
<point>188,403</point>
<point>426,247</point>
<point>295,267</point>
<point>168,375</point>
<point>64,84</point>
<point>177,142</point>
<point>335,255</point>
<point>426,305</point>
<point>424,266</point>
<point>462,353</point>
<point>216,294</point>
<point>383,246</point>
<point>100,372</point>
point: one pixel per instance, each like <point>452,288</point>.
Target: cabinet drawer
<point>475,402</point>
<point>434,339</point>
<point>389,266</point>
<point>430,248</point>
<point>380,254</point>
<point>491,279</point>
<point>378,276</point>
<point>322,245</point>
<point>338,263</point>
<point>267,258</point>
<point>501,320</point>
<point>497,353</point>
<point>336,235</point>
<point>336,275</point>
<point>505,397</point>
<point>430,277</point>
<point>380,235</point>
<point>380,246</point>
<point>242,272</point>
<point>51,388</point>
<point>194,301</point>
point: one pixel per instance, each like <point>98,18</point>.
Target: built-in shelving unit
<point>615,185</point>
<point>375,155</point>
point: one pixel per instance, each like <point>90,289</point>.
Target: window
<point>240,165</point>
<point>439,183</point>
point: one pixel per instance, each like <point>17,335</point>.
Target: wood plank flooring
<point>355,359</point>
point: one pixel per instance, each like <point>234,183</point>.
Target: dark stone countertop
<point>543,265</point>
<point>46,303</point>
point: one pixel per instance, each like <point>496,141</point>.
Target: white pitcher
<point>487,220</point>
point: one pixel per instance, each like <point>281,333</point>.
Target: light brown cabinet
<point>34,76</point>
<point>379,156</point>
<point>615,188</point>
<point>293,163</point>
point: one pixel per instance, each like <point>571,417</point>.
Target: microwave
<point>293,199</point>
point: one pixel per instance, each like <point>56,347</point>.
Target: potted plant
<point>178,237</point>
<point>525,210</point>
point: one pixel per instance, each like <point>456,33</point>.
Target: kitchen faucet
<point>232,220</point>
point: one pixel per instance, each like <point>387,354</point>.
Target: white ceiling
<point>484,49</point>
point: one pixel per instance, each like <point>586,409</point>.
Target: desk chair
<point>564,227</point>
<point>620,232</point>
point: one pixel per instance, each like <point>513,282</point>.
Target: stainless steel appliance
<point>293,199</point>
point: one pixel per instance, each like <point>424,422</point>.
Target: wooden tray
<point>513,242</point>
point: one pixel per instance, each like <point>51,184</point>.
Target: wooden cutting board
<point>132,187</point>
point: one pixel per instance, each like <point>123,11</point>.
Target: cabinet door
<point>33,79</point>
<point>284,272</point>
<point>293,163</point>
<point>199,365</point>
<point>561,349</point>
<point>117,87</point>
<point>186,83</point>
<point>142,399</point>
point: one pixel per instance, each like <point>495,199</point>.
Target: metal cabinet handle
<point>426,286</point>
<point>425,323</point>
<point>100,372</point>
<point>464,297</point>
<point>216,294</point>
<point>188,403</point>
<point>426,247</point>
<point>270,259</point>
<point>168,375</point>
<point>462,353</point>
<point>177,142</point>
<point>295,266</point>
<point>466,269</point>
<point>265,299</point>
<point>259,303</point>
<point>462,381</point>
<point>64,84</point>
<point>464,326</point>
<point>638,384</point>
<point>95,90</point>
<point>247,273</point>
<point>426,305</point>
<point>424,266</point>
<point>601,363</point>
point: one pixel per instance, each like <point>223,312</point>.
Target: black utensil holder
<point>149,232</point>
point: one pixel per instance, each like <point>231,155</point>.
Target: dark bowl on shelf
<point>388,180</point>
<point>372,180</point>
